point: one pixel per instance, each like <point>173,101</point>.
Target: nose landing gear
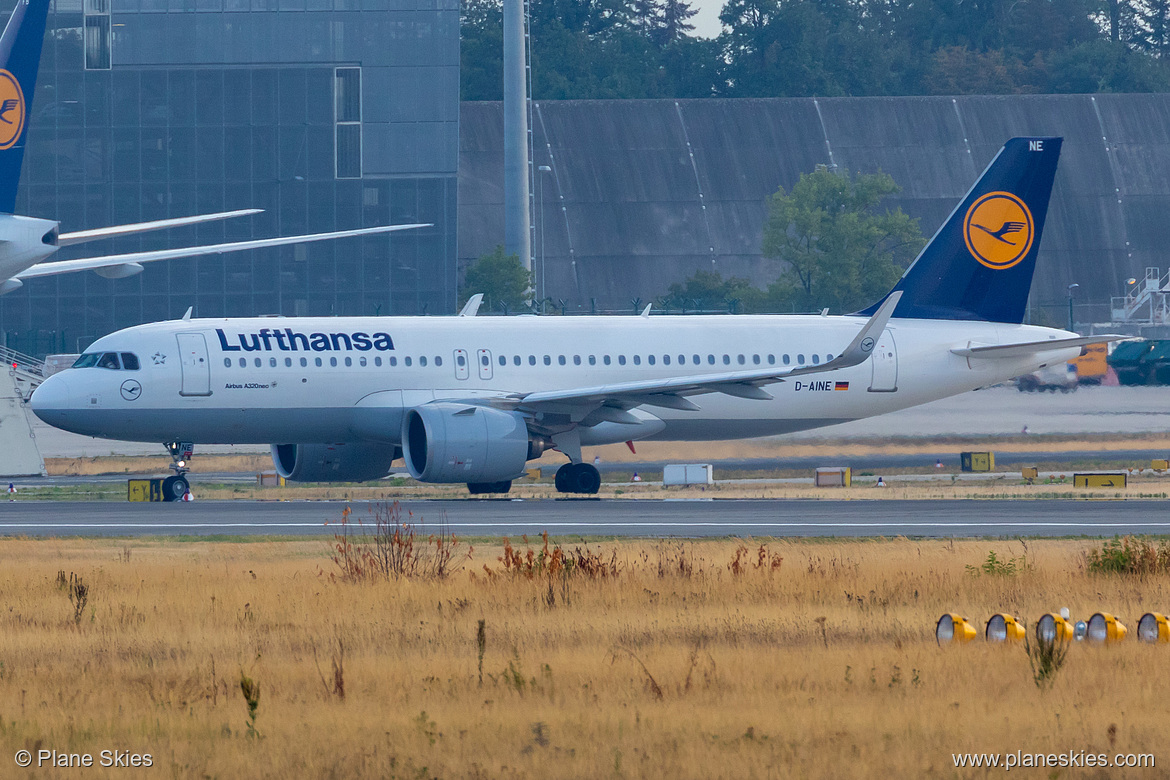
<point>176,487</point>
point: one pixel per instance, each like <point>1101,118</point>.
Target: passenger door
<point>484,358</point>
<point>885,365</point>
<point>193,363</point>
<point>462,370</point>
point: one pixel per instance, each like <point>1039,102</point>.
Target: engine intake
<point>454,442</point>
<point>347,462</point>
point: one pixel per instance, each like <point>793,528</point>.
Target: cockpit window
<point>107,360</point>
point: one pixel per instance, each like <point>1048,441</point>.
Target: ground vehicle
<point>1062,377</point>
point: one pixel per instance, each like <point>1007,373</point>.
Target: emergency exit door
<point>193,363</point>
<point>483,357</point>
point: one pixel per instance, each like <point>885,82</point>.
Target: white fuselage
<point>349,379</point>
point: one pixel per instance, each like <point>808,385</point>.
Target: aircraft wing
<point>129,261</point>
<point>1024,349</point>
<point>671,392</point>
<point>81,236</point>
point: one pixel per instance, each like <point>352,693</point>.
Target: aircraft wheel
<point>174,488</point>
<point>480,488</point>
<point>578,478</point>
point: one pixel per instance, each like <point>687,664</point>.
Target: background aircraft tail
<point>979,264</point>
<point>20,58</point>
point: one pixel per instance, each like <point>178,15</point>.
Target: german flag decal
<point>841,386</point>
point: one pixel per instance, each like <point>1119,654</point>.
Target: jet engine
<point>347,462</point>
<point>455,442</point>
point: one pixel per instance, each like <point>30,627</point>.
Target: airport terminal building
<point>328,114</point>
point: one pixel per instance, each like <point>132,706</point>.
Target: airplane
<point>25,242</point>
<point>472,400</point>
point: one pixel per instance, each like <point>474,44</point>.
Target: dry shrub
<point>1129,555</point>
<point>390,546</point>
<point>741,562</point>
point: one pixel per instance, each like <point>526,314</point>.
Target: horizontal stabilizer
<point>81,236</point>
<point>1003,351</point>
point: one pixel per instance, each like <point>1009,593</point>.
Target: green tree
<point>502,279</point>
<point>708,290</point>
<point>837,250</point>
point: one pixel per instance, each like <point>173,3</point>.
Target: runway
<point>576,518</point>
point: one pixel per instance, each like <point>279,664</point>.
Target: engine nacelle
<point>454,442</point>
<point>333,462</point>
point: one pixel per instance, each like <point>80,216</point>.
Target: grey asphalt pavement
<point>576,517</point>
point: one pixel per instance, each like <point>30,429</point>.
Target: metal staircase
<point>26,371</point>
<point>1147,302</point>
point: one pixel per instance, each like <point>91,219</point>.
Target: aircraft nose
<point>52,399</point>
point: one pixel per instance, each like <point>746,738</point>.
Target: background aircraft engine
<point>454,442</point>
<point>333,462</point>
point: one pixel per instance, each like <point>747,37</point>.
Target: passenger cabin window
<point>605,359</point>
<point>515,360</point>
<point>816,359</point>
<point>532,360</point>
<point>800,359</point>
<point>711,359</point>
<point>438,360</point>
<point>227,362</point>
<point>257,362</point>
<point>621,360</point>
<point>129,361</point>
<point>361,361</point>
<point>727,360</point>
<point>288,362</point>
<point>787,360</point>
<point>593,360</point>
<point>650,359</point>
<point>349,361</point>
<point>576,360</point>
<point>422,361</point>
<point>406,362</point>
<point>333,362</point>
<point>637,360</point>
<point>740,359</point>
<point>244,362</point>
<point>304,362</point>
<point>547,360</point>
<point>503,360</point>
<point>561,359</point>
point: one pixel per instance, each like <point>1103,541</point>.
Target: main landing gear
<point>176,488</point>
<point>578,478</point>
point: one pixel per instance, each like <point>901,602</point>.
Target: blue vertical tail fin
<point>20,58</point>
<point>979,264</point>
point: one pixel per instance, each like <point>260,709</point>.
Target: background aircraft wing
<point>671,392</point>
<point>129,261</point>
<point>81,236</point>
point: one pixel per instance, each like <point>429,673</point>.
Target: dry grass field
<point>647,659</point>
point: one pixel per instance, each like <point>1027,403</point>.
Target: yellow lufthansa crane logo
<point>998,230</point>
<point>11,110</point>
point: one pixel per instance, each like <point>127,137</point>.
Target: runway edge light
<point>1054,626</point>
<point>1105,629</point>
<point>1002,627</point>
<point>954,628</point>
<point>1154,627</point>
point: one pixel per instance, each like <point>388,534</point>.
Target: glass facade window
<point>329,116</point>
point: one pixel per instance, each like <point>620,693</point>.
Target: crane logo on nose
<point>131,390</point>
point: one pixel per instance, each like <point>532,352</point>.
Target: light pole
<point>540,219</point>
<point>1071,287</point>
